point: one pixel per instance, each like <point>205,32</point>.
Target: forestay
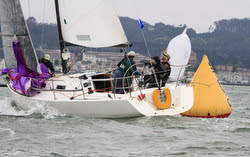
<point>13,23</point>
<point>91,23</point>
<point>179,49</point>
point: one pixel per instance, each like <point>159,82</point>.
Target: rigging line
<point>11,22</point>
<point>43,25</point>
<point>76,59</point>
<point>145,43</point>
<point>29,7</point>
<point>11,35</point>
<point>204,83</point>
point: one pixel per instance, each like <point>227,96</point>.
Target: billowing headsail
<point>90,23</point>
<point>179,49</point>
<point>13,23</point>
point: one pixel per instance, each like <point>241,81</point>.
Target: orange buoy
<point>157,101</point>
<point>210,99</point>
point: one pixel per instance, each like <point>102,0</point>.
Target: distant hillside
<point>227,44</point>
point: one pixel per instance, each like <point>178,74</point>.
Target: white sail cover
<point>91,23</point>
<point>179,48</point>
<point>13,23</point>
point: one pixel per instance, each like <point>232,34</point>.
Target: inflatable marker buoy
<point>157,101</point>
<point>210,99</point>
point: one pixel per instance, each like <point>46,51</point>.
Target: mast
<point>61,41</point>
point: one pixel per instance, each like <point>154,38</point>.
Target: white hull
<point>107,105</point>
<point>85,108</point>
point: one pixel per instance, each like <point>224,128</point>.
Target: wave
<point>9,108</point>
<point>10,131</point>
<point>242,130</point>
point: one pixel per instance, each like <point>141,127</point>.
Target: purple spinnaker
<point>23,78</point>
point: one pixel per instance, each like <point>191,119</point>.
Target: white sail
<point>91,23</point>
<point>179,49</point>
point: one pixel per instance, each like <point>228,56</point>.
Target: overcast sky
<point>196,14</point>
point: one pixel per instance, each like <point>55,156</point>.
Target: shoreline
<point>236,84</point>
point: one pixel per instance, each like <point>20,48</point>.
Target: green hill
<point>228,43</point>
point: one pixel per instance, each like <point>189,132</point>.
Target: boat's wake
<point>9,108</point>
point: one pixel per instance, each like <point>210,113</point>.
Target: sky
<point>196,14</point>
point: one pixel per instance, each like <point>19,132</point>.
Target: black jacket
<point>48,64</point>
<point>167,68</point>
<point>159,70</point>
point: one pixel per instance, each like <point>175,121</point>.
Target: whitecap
<point>9,108</point>
<point>11,132</point>
<point>46,111</point>
<point>6,108</point>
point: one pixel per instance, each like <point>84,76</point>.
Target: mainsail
<point>13,23</point>
<point>90,23</point>
<point>179,49</point>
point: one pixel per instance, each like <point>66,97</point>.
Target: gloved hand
<point>142,72</point>
<point>162,76</point>
<point>51,74</point>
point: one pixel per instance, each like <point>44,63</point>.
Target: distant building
<point>93,58</point>
<point>56,55</point>
<point>103,61</point>
<point>223,68</point>
<point>192,60</point>
<point>244,71</point>
<point>110,57</point>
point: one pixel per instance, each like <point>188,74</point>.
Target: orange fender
<point>158,103</point>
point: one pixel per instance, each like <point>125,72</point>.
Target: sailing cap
<point>47,57</point>
<point>166,55</point>
<point>131,53</point>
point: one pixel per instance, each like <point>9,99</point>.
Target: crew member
<point>46,61</point>
<point>167,68</point>
<point>126,65</point>
<point>158,73</point>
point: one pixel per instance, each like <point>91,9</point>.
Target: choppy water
<point>45,133</point>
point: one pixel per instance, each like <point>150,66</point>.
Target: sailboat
<point>89,24</point>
